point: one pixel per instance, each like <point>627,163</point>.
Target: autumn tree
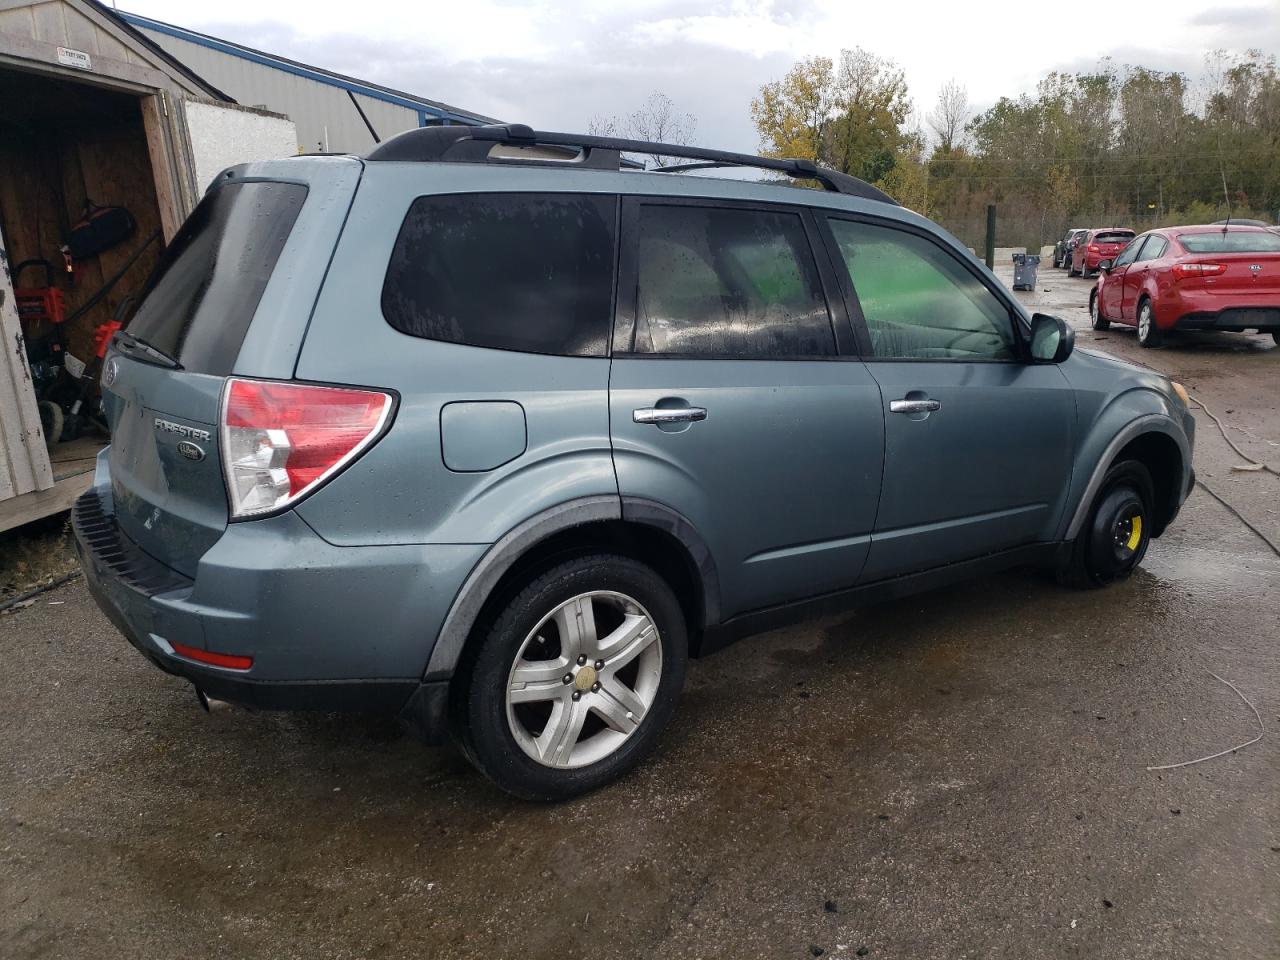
<point>791,114</point>
<point>848,115</point>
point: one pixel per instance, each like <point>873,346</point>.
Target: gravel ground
<point>961,774</point>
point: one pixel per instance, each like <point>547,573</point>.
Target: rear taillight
<point>1093,248</point>
<point>1183,271</point>
<point>282,440</point>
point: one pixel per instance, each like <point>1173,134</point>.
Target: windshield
<point>1239,241</point>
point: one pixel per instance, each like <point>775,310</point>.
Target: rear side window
<point>918,301</point>
<point>1228,242</point>
<point>198,303</point>
<point>516,271</point>
<point>726,282</point>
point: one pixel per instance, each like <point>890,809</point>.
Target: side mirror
<point>1105,266</point>
<point>1052,340</point>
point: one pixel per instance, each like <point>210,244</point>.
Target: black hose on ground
<point>52,584</point>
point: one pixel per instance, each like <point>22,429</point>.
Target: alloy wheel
<point>1149,334</point>
<point>584,679</point>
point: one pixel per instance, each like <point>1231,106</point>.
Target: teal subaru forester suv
<point>492,430</point>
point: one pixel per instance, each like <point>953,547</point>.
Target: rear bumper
<point>1233,318</point>
<point>329,628</point>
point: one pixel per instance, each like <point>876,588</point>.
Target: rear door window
<point>919,302</point>
<point>1154,249</point>
<point>728,282</point>
<point>198,304</point>
<point>515,271</point>
<point>1130,253</point>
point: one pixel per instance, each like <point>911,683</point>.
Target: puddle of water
<point>1204,566</point>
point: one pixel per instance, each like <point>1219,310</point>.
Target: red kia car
<point>1192,278</point>
<point>1101,244</point>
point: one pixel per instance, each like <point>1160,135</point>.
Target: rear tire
<point>52,422</point>
<point>1116,532</point>
<point>547,739</point>
<point>1149,335</point>
<point>1071,268</point>
<point>1275,335</point>
<point>1095,313</point>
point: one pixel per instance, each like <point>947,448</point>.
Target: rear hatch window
<point>1238,242</point>
<point>1113,238</point>
<point>197,305</point>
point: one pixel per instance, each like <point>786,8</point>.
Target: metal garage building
<point>318,101</point>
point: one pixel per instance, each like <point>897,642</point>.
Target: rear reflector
<point>226,660</point>
<point>282,440</point>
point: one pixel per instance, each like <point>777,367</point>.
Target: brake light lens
<point>1187,270</point>
<point>1094,248</point>
<point>282,440</point>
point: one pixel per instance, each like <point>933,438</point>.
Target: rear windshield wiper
<point>132,344</point>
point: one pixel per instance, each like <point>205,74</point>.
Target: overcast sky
<point>555,64</point>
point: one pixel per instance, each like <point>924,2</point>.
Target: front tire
<point>1095,313</point>
<point>1117,531</point>
<point>1149,335</point>
<point>575,679</point>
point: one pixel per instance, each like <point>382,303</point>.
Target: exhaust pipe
<point>208,704</point>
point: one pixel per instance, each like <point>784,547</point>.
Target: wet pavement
<point>959,774</point>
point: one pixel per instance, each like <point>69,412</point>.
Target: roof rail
<point>474,144</point>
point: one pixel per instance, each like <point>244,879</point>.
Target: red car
<point>1101,244</point>
<point>1192,278</point>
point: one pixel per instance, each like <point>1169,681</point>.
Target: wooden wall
<point>46,173</point>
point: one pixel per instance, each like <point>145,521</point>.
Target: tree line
<point>1121,145</point>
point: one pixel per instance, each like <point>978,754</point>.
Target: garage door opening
<point>68,150</point>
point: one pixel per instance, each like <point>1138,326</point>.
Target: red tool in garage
<point>39,304</point>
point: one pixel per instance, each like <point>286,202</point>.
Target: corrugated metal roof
<point>319,74</point>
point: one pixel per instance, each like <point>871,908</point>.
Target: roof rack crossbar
<point>468,144</point>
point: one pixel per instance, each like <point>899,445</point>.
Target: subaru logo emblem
<point>190,450</point>
<point>110,372</point>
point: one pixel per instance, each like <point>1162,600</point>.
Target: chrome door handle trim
<point>671,415</point>
<point>914,406</point>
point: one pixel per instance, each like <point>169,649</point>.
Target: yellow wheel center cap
<point>585,677</point>
<point>1135,533</point>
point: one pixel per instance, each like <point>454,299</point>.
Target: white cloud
<point>556,64</point>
